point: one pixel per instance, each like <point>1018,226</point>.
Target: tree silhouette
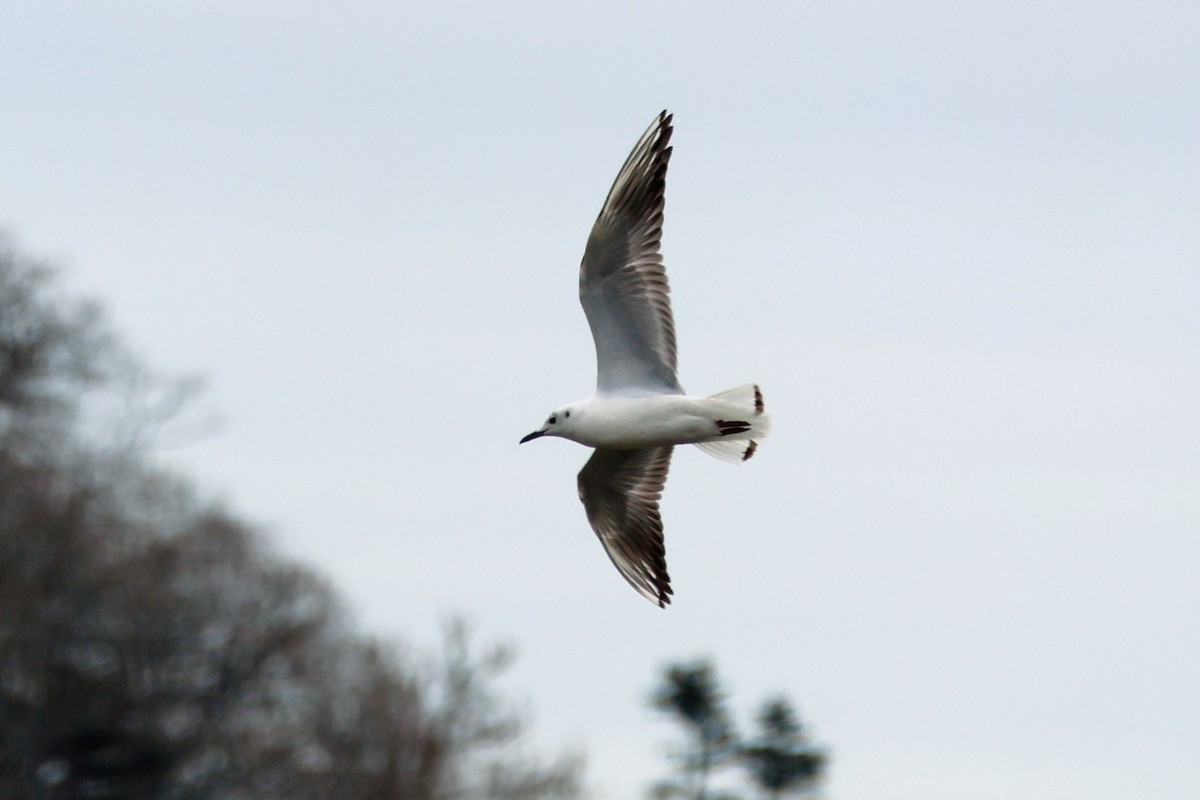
<point>479,728</point>
<point>691,693</point>
<point>780,759</point>
<point>151,646</point>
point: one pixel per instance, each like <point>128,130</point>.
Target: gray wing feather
<point>620,490</point>
<point>622,282</point>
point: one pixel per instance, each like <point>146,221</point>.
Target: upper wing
<point>620,490</point>
<point>622,283</point>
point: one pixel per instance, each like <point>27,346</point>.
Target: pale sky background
<point>956,243</point>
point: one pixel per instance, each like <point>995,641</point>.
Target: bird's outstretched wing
<point>622,283</point>
<point>620,490</point>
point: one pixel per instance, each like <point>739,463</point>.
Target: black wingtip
<point>661,582</point>
<point>665,127</point>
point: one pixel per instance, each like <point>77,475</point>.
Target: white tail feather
<point>747,395</point>
<point>733,451</point>
<point>741,403</point>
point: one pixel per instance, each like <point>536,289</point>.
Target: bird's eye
<point>566,415</point>
<point>553,419</point>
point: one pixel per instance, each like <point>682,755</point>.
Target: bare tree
<point>484,733</point>
<point>152,647</point>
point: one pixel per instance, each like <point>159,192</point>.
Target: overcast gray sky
<point>956,244</point>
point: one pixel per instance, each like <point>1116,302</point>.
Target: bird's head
<point>561,422</point>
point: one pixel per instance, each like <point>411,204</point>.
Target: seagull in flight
<point>639,411</point>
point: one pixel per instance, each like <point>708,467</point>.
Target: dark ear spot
<point>567,414</point>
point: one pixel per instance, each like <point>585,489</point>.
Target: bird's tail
<point>743,420</point>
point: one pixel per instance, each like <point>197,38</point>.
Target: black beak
<point>532,436</point>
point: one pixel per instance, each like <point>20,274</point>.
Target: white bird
<point>639,411</point>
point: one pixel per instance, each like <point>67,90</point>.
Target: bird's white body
<point>629,423</point>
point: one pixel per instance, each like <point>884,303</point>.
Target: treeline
<point>152,647</point>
